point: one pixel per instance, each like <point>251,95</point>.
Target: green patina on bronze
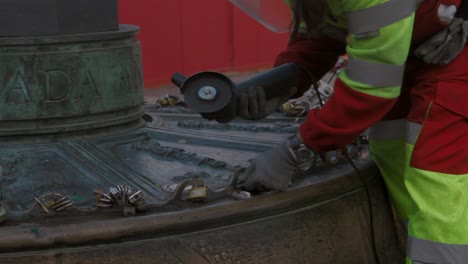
<point>69,83</point>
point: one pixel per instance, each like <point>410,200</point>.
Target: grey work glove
<point>271,170</point>
<point>444,46</point>
<point>252,104</point>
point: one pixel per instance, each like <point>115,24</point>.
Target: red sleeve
<point>427,21</point>
<point>347,113</point>
<point>317,55</point>
<point>343,118</point>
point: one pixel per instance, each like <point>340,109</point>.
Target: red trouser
<point>438,97</point>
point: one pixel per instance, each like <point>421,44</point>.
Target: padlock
<point>60,204</point>
<point>331,157</point>
<point>64,206</point>
<point>294,108</point>
<point>57,203</point>
<point>116,195</point>
<point>286,107</point>
<point>129,211</point>
<point>54,201</point>
<point>103,205</point>
<point>134,198</point>
<point>106,200</point>
<point>198,193</point>
<point>128,191</point>
<point>44,208</point>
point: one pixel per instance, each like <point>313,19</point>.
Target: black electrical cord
<point>369,204</point>
<point>364,183</point>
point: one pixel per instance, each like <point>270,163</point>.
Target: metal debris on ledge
<point>53,202</point>
<point>168,100</point>
<point>333,157</point>
<point>241,195</point>
<point>121,195</point>
<point>351,151</point>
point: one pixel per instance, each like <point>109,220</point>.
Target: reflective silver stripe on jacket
<point>425,251</point>
<point>412,132</point>
<point>373,18</point>
<point>374,73</point>
<point>394,130</point>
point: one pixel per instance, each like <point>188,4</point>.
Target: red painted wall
<point>191,36</point>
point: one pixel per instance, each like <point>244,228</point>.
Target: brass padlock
<point>198,193</point>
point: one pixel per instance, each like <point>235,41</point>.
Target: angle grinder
<point>213,94</point>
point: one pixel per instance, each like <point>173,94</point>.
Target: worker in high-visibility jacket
<point>406,80</point>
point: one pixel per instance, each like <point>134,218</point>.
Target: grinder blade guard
<point>205,92</point>
<point>213,95</point>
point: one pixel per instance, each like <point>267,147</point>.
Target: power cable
<point>364,183</point>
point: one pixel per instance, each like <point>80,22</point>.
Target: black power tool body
<point>214,95</point>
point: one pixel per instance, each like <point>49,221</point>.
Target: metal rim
<point>125,31</point>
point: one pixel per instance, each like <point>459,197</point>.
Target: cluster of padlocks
<point>123,196</point>
<point>52,203</point>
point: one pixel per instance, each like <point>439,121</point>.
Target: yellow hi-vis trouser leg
<point>434,205</point>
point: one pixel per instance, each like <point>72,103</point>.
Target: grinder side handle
<point>178,79</point>
<point>276,82</point>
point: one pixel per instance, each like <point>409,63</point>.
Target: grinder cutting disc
<point>207,92</point>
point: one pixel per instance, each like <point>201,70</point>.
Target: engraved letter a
<point>88,88</point>
<point>17,92</point>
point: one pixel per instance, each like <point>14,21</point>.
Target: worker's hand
<point>271,170</point>
<point>443,47</point>
<point>252,104</point>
